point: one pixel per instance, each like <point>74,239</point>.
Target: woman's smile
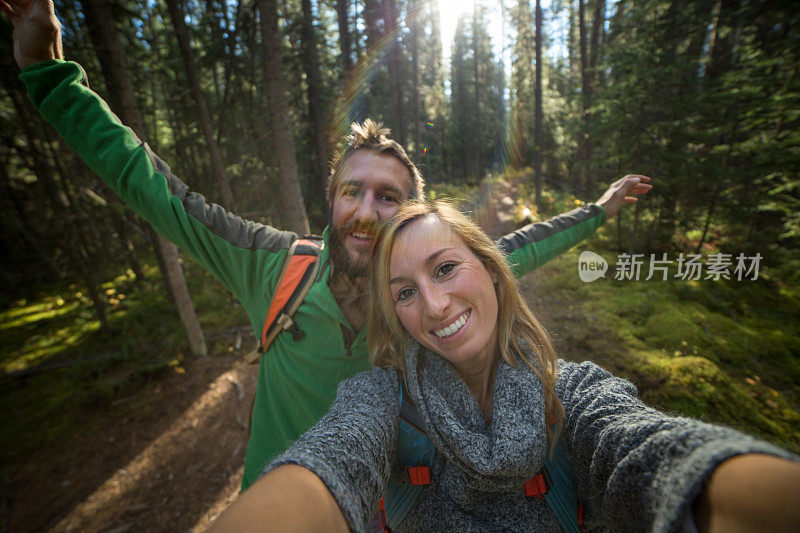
<point>449,332</point>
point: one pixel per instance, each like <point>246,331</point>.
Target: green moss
<point>28,314</point>
<point>723,351</point>
<point>697,387</point>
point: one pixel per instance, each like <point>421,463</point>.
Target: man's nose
<point>366,209</point>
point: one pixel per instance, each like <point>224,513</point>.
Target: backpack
<point>297,275</point>
<point>415,457</point>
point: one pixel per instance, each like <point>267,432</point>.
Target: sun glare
<point>452,9</point>
<point>449,13</point>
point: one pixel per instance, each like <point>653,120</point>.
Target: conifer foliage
<point>247,101</point>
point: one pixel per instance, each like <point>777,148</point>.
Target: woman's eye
<point>445,269</point>
<point>388,198</point>
<point>404,294</point>
<point>350,191</point>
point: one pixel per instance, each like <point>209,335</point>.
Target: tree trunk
<point>598,28</point>
<point>127,243</point>
<point>720,46</point>
<point>345,42</point>
<point>538,115</point>
<point>229,55</point>
<point>98,301</point>
<point>290,198</point>
<point>709,213</point>
<point>316,108</point>
<point>113,62</point>
<point>392,32</point>
<point>571,52</point>
<point>586,95</point>
<point>413,22</point>
<point>583,58</point>
<point>197,342</point>
<point>217,168</point>
<point>23,226</point>
<point>477,85</point>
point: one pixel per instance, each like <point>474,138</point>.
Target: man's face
<point>371,189</point>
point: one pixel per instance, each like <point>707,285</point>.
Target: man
<point>372,176</point>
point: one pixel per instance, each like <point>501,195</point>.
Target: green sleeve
<point>530,247</point>
<point>239,253</point>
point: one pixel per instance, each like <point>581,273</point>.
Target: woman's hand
<point>37,31</point>
<point>751,493</point>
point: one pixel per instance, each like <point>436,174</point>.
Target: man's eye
<point>404,294</point>
<point>445,269</point>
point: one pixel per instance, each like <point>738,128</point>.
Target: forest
<point>108,337</point>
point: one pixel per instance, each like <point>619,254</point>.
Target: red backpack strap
<point>536,486</point>
<point>295,280</point>
<point>384,524</point>
<point>419,475</point>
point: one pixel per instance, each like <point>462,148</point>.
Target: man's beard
<point>340,256</point>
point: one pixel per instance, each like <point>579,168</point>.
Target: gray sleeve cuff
<point>351,449</point>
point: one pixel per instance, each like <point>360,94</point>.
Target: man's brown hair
<point>371,135</point>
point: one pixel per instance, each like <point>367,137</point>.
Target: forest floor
<point>169,456</point>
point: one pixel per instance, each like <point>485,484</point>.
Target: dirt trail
<point>173,462</point>
<point>169,458</point>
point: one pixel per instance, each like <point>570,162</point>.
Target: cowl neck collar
<point>497,457</point>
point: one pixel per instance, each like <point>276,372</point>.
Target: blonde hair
<point>371,135</point>
<point>516,324</point>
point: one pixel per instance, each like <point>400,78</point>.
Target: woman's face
<point>443,294</point>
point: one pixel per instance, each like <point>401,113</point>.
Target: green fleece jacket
<point>296,379</point>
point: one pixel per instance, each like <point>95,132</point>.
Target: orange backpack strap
<point>297,275</point>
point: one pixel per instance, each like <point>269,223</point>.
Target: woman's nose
<point>437,301</point>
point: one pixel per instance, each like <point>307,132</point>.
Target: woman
<point>448,322</point>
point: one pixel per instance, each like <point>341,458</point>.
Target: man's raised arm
<point>530,247</point>
<point>239,253</point>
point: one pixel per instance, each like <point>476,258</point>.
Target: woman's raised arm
<point>640,469</point>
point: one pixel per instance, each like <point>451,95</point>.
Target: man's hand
<point>621,192</point>
<point>37,32</point>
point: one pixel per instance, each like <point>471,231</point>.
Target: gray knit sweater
<point>636,469</point>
